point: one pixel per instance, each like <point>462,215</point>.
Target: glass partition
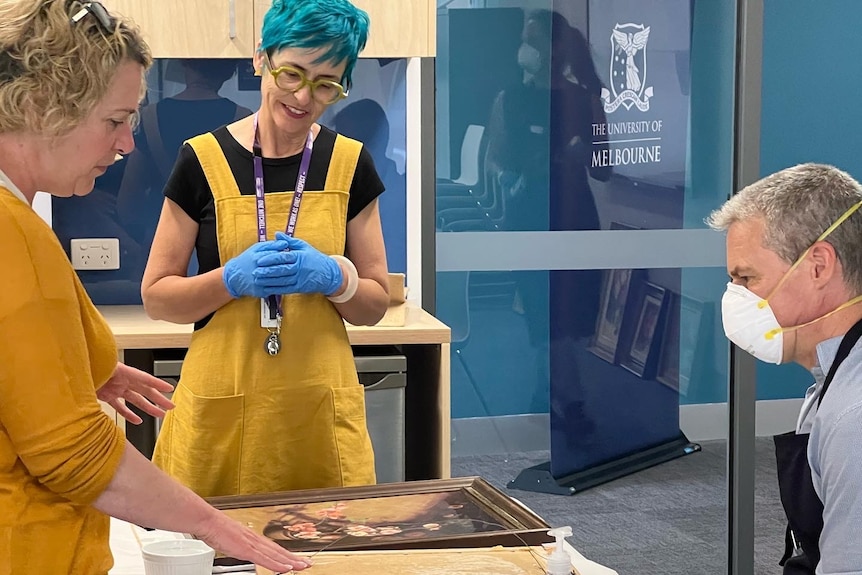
<point>189,97</point>
<point>580,146</point>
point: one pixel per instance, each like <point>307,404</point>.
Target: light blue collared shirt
<point>835,457</point>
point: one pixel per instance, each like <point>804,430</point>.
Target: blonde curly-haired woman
<point>71,78</point>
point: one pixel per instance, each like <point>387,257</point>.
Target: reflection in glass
<point>366,121</point>
<point>529,140</point>
<point>165,124</point>
<point>494,375</point>
<point>525,154</point>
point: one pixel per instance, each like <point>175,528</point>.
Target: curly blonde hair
<point>53,70</point>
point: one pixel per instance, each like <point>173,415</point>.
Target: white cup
<point>178,557</point>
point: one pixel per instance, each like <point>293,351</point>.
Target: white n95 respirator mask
<point>529,59</point>
<point>750,323</point>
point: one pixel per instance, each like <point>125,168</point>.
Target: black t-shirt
<point>189,189</point>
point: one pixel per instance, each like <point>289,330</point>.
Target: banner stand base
<point>538,478</point>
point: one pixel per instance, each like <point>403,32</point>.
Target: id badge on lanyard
<point>270,308</point>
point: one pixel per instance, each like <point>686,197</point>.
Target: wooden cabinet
<point>231,28</point>
<point>399,28</point>
<point>193,28</point>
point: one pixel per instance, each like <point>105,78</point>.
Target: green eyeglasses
<point>292,80</point>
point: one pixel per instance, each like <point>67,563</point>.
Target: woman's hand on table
<point>130,385</point>
<point>235,540</point>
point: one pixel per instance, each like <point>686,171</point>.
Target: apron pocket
<point>206,448</point>
<point>351,436</point>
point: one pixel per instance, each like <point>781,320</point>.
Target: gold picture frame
<point>453,513</point>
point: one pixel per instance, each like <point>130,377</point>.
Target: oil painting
<point>304,526</point>
<point>463,512</point>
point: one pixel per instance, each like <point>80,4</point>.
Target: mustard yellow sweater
<point>58,450</point>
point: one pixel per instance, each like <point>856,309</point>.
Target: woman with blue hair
<point>283,214</point>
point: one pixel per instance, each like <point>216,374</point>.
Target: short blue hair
<point>336,24</point>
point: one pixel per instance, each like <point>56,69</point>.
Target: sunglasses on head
<point>10,68</point>
<point>108,24</point>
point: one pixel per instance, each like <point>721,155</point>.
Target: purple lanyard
<point>274,302</point>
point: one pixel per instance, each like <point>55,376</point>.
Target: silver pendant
<point>273,344</point>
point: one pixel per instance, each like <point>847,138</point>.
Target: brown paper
<point>496,561</point>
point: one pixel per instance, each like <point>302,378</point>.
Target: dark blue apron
<point>801,504</point>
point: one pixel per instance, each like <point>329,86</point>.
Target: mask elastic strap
<point>773,332</point>
<point>762,303</point>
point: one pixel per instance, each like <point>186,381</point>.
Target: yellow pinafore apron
<point>247,422</point>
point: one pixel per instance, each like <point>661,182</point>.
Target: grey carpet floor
<point>670,519</point>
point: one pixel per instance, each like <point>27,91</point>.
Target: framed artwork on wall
<point>668,364</point>
<point>613,317</point>
<point>682,345</point>
<point>612,311</point>
<point>462,512</point>
<point>641,354</point>
<point>692,319</point>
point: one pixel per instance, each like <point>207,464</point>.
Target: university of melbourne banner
<point>606,402</point>
<point>641,51</point>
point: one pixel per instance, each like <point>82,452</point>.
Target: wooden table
<point>126,540</point>
<point>422,338</point>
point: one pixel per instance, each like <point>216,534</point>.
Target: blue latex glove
<point>238,274</point>
<point>302,269</point>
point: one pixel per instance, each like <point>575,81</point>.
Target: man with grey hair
<point>794,255</point>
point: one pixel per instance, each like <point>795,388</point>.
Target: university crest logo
<point>628,73</point>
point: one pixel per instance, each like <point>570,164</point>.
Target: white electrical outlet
<point>96,254</point>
